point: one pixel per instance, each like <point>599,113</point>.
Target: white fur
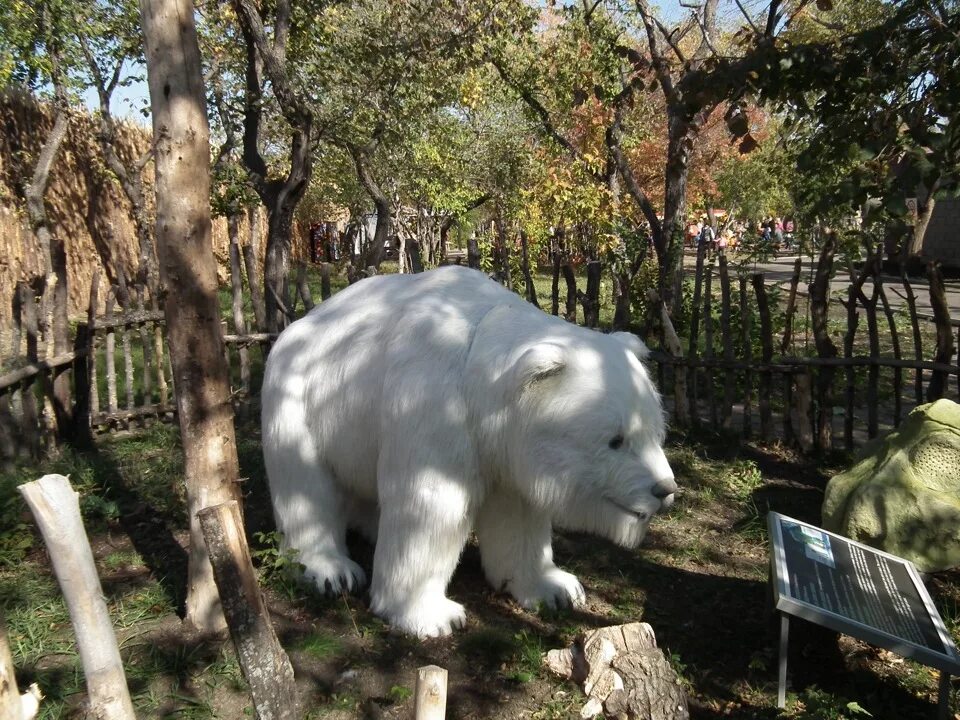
<point>422,407</point>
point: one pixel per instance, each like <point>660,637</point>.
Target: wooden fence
<point>118,375</point>
<point>747,363</point>
<point>735,372</point>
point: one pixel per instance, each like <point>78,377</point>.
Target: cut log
<point>265,665</point>
<point>56,508</point>
<point>623,673</point>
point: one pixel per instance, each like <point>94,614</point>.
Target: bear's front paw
<point>333,573</point>
<point>430,617</point>
<point>555,588</point>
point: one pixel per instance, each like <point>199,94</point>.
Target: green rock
<point>904,495</point>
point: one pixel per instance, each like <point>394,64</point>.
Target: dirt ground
<point>700,579</point>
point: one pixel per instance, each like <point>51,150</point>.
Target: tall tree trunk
<point>279,195</point>
<point>669,244</point>
<point>276,264</point>
<point>188,270</point>
<point>374,254</point>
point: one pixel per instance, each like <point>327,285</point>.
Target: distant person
<point>707,236</point>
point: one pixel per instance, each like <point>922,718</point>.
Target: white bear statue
<point>419,408</point>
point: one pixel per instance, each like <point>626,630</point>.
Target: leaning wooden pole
<point>671,341</point>
<point>56,509</point>
<point>265,665</point>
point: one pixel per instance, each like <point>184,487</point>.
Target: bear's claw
<point>436,617</point>
<point>334,574</point>
<point>555,589</point>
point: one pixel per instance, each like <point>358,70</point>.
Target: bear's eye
<point>616,443</point>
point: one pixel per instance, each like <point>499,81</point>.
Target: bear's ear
<point>538,363</point>
<point>633,344</point>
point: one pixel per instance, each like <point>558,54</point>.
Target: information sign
<point>856,590</point>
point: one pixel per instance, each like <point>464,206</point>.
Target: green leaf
<point>857,709</point>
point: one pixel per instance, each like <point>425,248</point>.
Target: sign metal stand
<point>857,590</point>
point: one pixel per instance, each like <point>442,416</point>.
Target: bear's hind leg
<point>311,513</point>
<point>517,554</point>
<point>419,542</point>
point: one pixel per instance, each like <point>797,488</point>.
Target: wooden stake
<point>708,342</point>
<point>766,343</point>
<point>895,342</point>
<point>10,705</point>
<point>941,316</point>
<point>265,665</point>
<point>848,340</point>
<point>56,509</point>
<point>324,281</point>
<point>693,349</point>
<point>110,356</point>
<point>746,321</point>
<point>431,695</point>
<point>730,379</point>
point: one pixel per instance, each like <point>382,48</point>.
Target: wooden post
<point>791,308</point>
<point>10,705</point>
<point>941,316</point>
<point>13,705</point>
<point>819,311</point>
<point>80,418</point>
<point>570,280</point>
<point>694,347</point>
<point>708,343</point>
<point>146,345</point>
<point>911,300</point>
<point>324,281</point>
<point>746,321</point>
<point>30,415</point>
<point>766,340</point>
<point>730,380</point>
<point>672,342</point>
<point>8,431</point>
<point>56,509</point>
<point>239,321</point>
<point>873,372</point>
<point>128,377</point>
<point>431,695</point>
<point>110,356</point>
<point>303,287</point>
<point>265,665</point>
<point>801,409</point>
<point>92,347</point>
<point>897,372</point>
<point>848,340</point>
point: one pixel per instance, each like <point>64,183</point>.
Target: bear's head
<point>587,439</point>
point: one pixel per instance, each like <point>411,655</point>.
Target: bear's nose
<point>665,491</point>
<point>664,488</point>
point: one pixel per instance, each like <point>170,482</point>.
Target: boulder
<point>903,496</point>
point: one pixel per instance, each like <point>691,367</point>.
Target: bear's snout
<point>665,491</point>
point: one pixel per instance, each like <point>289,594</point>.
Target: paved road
<point>779,270</point>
